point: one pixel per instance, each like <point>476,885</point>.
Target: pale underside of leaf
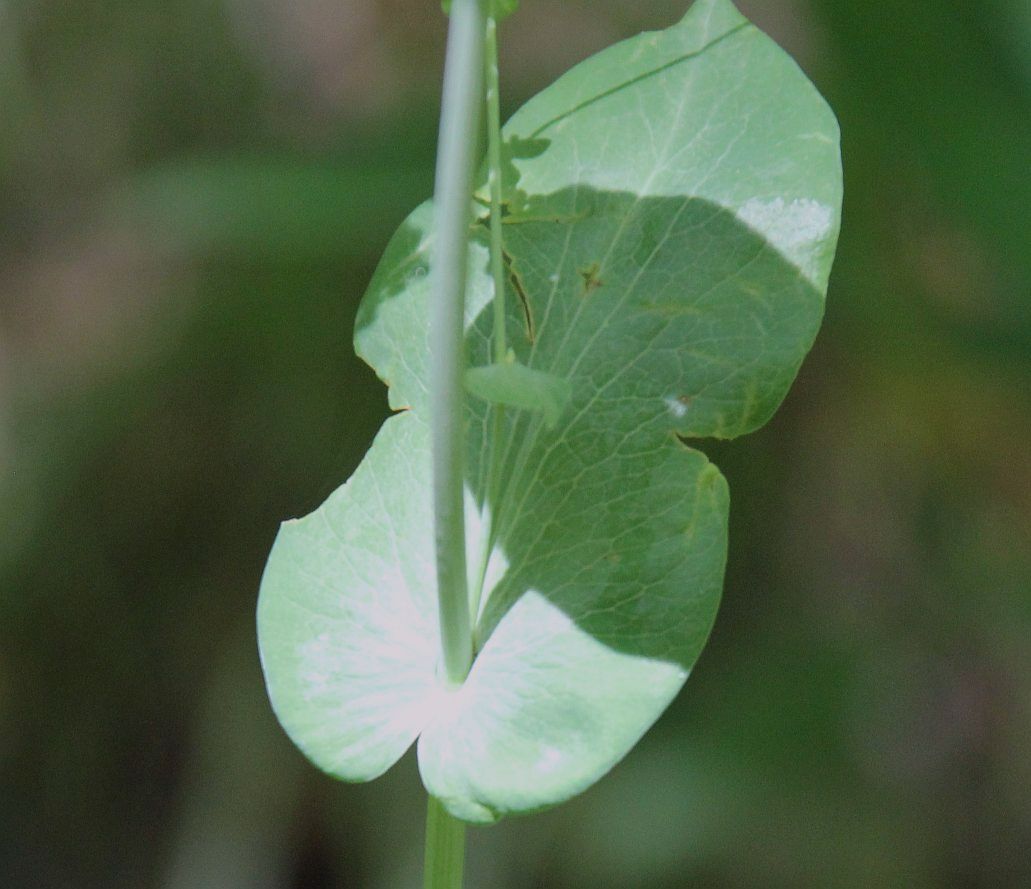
<point>672,210</point>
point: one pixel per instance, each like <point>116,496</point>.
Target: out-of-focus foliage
<point>192,197</point>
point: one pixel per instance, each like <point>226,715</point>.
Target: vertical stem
<point>445,848</point>
<point>456,155</point>
<point>497,263</point>
<point>500,345</point>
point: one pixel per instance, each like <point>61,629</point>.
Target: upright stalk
<point>456,156</point>
<point>445,848</point>
<point>500,344</point>
<point>497,263</point>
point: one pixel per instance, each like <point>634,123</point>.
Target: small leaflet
<point>515,385</point>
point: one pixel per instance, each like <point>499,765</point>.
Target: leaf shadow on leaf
<point>515,149</point>
<point>671,319</point>
<point>602,536</point>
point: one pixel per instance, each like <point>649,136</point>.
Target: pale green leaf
<point>672,211</point>
<point>347,614</point>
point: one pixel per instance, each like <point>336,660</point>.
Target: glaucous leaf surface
<point>672,208</point>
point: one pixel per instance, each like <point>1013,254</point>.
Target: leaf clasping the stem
<point>674,250</point>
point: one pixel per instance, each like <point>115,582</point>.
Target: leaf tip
<point>714,12</point>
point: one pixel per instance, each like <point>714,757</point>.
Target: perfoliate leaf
<point>673,212</point>
<point>514,385</point>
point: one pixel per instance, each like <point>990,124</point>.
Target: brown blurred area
<point>193,196</point>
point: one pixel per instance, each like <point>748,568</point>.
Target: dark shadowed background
<point>194,194</point>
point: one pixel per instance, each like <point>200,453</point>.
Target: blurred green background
<point>194,194</point>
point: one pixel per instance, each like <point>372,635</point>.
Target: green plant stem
<point>456,156</point>
<point>445,848</point>
<point>497,262</point>
<point>500,345</point>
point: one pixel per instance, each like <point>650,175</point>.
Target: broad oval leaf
<point>672,211</point>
